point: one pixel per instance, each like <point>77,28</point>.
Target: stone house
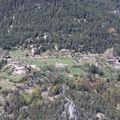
<point>58,54</point>
<point>111,60</point>
<point>19,70</point>
<point>61,65</point>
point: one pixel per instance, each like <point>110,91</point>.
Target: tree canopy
<point>82,25</point>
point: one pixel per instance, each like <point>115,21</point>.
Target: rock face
<point>70,111</point>
<point>100,116</point>
<point>109,53</point>
<point>19,70</point>
<point>4,53</point>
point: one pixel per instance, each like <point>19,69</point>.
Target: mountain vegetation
<point>52,65</point>
<point>54,87</point>
<point>82,25</point>
<point>54,95</point>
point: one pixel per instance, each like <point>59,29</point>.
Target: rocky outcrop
<point>70,109</point>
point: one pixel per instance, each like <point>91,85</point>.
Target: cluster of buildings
<point>64,53</point>
<point>114,62</point>
<point>111,58</point>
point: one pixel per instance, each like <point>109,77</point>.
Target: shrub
<point>93,69</point>
<point>3,63</point>
<point>5,92</point>
<point>82,88</point>
<point>101,88</point>
<point>57,89</point>
<point>0,87</point>
<point>96,70</point>
<point>118,77</point>
<point>36,92</point>
<point>22,80</point>
<point>25,98</point>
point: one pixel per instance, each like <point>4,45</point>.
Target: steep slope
<point>53,99</point>
<point>75,24</point>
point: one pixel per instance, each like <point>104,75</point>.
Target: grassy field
<point>77,71</point>
<point>43,62</point>
<point>9,77</point>
<point>46,62</point>
<point>38,61</point>
<point>110,73</point>
<point>17,54</point>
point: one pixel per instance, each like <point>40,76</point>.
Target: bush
<point>22,80</point>
<point>101,88</point>
<point>118,77</point>
<point>96,70</point>
<point>93,69</point>
<point>57,90</point>
<point>25,98</point>
<point>0,87</point>
<point>36,93</point>
<point>82,88</point>
<point>3,63</point>
<point>5,92</point>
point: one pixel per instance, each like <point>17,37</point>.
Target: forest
<point>82,25</point>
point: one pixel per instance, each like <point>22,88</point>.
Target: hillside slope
<point>89,25</point>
